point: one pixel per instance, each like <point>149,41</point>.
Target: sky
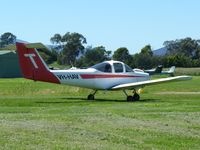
<point>110,23</point>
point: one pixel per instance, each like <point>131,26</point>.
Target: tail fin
<point>159,69</point>
<point>172,69</point>
<point>32,65</point>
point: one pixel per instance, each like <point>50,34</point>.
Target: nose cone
<point>143,76</point>
<point>146,76</point>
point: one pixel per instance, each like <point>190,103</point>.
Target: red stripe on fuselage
<point>92,76</point>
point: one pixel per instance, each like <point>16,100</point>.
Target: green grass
<point>35,115</point>
<point>188,71</point>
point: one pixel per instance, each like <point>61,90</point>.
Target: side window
<point>128,69</point>
<point>118,67</point>
<point>104,67</point>
<point>107,68</point>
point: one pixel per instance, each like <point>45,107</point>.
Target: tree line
<point>71,49</point>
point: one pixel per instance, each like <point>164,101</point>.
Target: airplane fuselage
<point>94,79</point>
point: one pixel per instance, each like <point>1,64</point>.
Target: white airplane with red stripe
<point>108,75</point>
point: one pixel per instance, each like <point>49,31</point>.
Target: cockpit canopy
<point>112,67</point>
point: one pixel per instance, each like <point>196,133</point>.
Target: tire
<point>129,98</point>
<point>90,97</point>
<point>136,97</point>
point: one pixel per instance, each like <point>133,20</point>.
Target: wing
<point>150,82</point>
<point>28,45</point>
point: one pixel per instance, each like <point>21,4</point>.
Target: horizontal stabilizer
<point>36,45</point>
<point>9,47</point>
<point>29,45</point>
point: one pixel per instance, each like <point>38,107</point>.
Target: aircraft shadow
<point>111,100</point>
<point>68,100</point>
<point>140,101</point>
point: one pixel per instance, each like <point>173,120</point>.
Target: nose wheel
<point>135,97</point>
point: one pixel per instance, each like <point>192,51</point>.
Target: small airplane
<point>170,71</point>
<point>108,75</point>
<point>158,71</point>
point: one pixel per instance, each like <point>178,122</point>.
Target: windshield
<point>103,67</point>
<point>128,69</point>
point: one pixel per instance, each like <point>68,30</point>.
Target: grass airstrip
<point>35,115</point>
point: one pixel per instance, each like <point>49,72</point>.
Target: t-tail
<point>172,69</point>
<point>158,69</point>
<point>32,65</point>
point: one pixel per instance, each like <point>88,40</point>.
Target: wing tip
<point>185,77</point>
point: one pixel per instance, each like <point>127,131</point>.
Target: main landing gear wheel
<point>136,97</point>
<point>90,97</point>
<point>129,98</point>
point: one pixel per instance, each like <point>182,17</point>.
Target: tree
<point>93,56</point>
<point>6,39</point>
<point>178,60</point>
<point>147,50</point>
<point>56,39</point>
<point>49,56</point>
<point>122,54</point>
<point>187,47</point>
<point>183,52</point>
<point>145,59</point>
<point>71,46</point>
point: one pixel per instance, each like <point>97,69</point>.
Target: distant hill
<point>160,52</point>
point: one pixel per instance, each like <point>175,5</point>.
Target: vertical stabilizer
<point>32,65</point>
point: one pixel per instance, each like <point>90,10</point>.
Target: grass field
<point>188,71</point>
<point>35,115</point>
